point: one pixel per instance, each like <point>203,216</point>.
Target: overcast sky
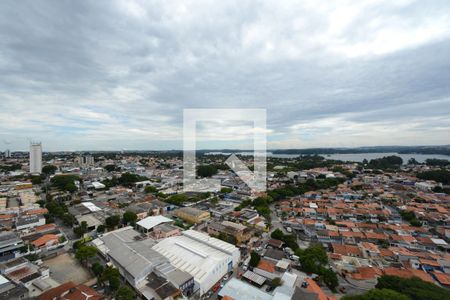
<point>81,75</point>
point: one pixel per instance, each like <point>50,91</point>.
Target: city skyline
<point>117,75</point>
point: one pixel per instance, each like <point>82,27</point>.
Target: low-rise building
<point>192,215</point>
<point>206,259</point>
<point>10,245</point>
<point>234,232</point>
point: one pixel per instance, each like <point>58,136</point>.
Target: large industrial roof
<point>150,222</point>
<point>212,242</point>
<point>195,253</point>
<point>133,255</point>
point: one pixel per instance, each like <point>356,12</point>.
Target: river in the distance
<point>356,157</point>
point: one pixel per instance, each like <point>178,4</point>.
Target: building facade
<point>35,158</point>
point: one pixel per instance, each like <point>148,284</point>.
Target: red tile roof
<point>442,278</point>
<point>364,273</point>
<point>313,287</point>
<point>408,273</point>
<point>266,266</point>
<point>70,291</point>
<point>43,240</point>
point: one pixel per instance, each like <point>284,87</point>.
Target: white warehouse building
<point>207,259</point>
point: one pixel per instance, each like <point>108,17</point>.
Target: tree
<point>275,282</point>
<point>412,161</point>
<point>111,168</point>
<point>386,162</point>
<point>129,217</point>
<point>65,182</point>
<point>127,179</point>
<point>85,252</point>
<point>114,283</point>
<point>277,234</point>
<point>442,176</point>
<point>312,258</point>
<point>101,228</point>
<point>125,293</point>
<point>112,276</point>
<point>68,219</point>
<point>177,199</point>
<point>49,169</point>
<point>377,294</point>
<point>81,230</point>
<point>414,288</point>
<point>254,259</point>
<point>112,221</point>
<point>36,179</point>
<point>329,277</point>
<point>288,239</point>
<point>150,189</point>
<point>214,200</point>
<point>225,190</point>
<point>206,171</point>
<point>97,268</point>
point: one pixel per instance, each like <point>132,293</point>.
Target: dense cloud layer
<point>118,74</point>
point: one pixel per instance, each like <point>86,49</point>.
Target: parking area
<point>65,268</point>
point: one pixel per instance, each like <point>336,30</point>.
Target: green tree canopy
<point>125,293</point>
<point>112,276</point>
<point>414,288</point>
<point>129,217</point>
<point>97,268</point>
<point>83,253</point>
<point>65,182</point>
<point>378,294</point>
<point>442,176</point>
<point>206,171</point>
<point>49,169</point>
<point>112,221</point>
<point>127,179</point>
<point>111,168</point>
<point>150,189</point>
<point>254,259</point>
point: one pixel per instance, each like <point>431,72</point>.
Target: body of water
<point>357,157</point>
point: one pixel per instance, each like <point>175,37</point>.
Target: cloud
<point>118,74</point>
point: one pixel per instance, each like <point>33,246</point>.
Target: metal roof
<point>150,222</point>
<point>254,277</point>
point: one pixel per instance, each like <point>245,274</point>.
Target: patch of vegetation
<point>386,162</point>
<point>300,189</point>
<point>206,170</point>
<point>49,169</point>
<point>127,179</point>
<point>150,189</point>
<point>314,259</point>
<point>442,176</point>
<point>129,217</point>
<point>414,288</point>
<point>65,182</point>
<point>378,294</point>
<point>437,162</point>
<point>288,239</point>
<point>112,221</point>
<point>254,259</point>
<point>411,218</point>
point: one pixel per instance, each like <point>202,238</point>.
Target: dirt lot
<point>65,268</point>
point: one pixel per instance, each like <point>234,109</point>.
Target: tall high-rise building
<point>85,161</point>
<point>35,158</point>
<point>7,153</point>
